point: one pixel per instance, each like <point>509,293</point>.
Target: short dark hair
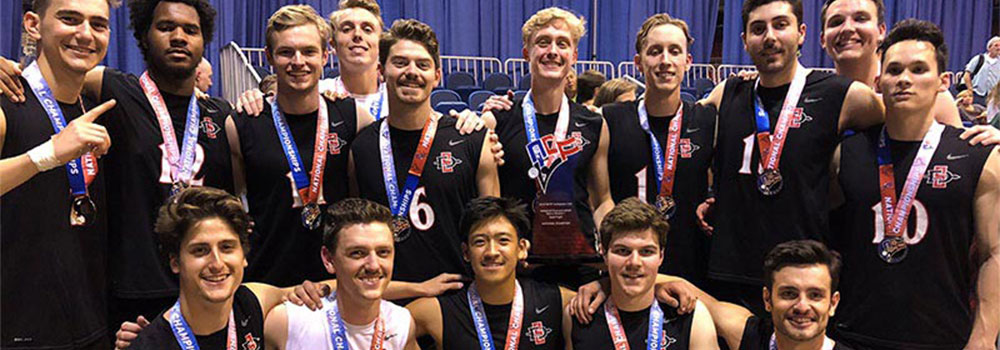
<point>481,210</point>
<point>587,84</point>
<point>141,19</point>
<point>750,5</point>
<point>39,6</point>
<point>920,30</point>
<point>351,211</point>
<point>186,209</point>
<point>879,9</point>
<point>409,29</point>
<point>632,215</point>
<point>799,253</point>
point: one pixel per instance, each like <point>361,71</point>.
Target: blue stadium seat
<point>262,71</point>
<point>444,95</point>
<point>689,91</point>
<point>519,94</point>
<point>445,107</point>
<point>524,83</point>
<point>480,108</point>
<point>702,86</point>
<point>456,79</point>
<point>330,72</point>
<point>498,81</point>
<point>687,97</point>
<point>478,97</point>
<point>465,91</point>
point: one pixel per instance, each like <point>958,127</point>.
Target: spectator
<point>992,113</point>
<point>968,110</point>
<point>586,86</point>
<point>982,72</point>
<point>615,90</point>
<point>203,76</point>
<point>268,85</point>
<point>571,84</point>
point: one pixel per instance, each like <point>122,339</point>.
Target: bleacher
<point>469,81</point>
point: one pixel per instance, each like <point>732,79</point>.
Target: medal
<point>769,183</point>
<point>533,173</point>
<point>400,227</point>
<point>399,203</point>
<point>892,249</point>
<point>83,211</point>
<point>514,322</point>
<point>177,187</point>
<point>181,158</point>
<point>311,216</point>
<point>664,161</point>
<point>666,206</point>
<point>654,334</point>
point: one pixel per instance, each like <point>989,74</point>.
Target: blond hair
<point>657,20</point>
<point>290,16</point>
<point>545,17</point>
<point>367,5</point>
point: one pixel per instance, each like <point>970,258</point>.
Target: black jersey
<point>283,252</point>
<point>249,328</point>
<point>631,170</point>
<point>514,181</point>
<point>747,223</point>
<point>541,326</point>
<point>447,184</point>
<point>140,173</point>
<point>757,335</point>
<point>596,335</point>
<point>923,301</point>
<point>53,274</point>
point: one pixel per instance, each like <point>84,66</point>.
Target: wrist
<point>44,156</point>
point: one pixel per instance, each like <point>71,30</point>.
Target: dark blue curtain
<point>619,21</point>
<point>966,25</point>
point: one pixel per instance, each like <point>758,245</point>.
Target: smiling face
<point>298,58</point>
<point>551,52</point>
<point>851,30</point>
<point>72,35</point>
<point>773,36</point>
<point>210,263</point>
<point>633,259</point>
<point>410,72</point>
<point>664,58</point>
<point>355,37</point>
<point>362,260</point>
<point>494,250</point>
<point>910,80</point>
<point>174,40</point>
<point>801,302</point>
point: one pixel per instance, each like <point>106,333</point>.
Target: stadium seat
<point>498,81</point>
<point>456,79</point>
<point>478,97</point>
<point>525,82</point>
<point>330,72</point>
<point>444,95</point>
<point>687,97</point>
<point>689,91</point>
<point>445,107</point>
<point>519,94</point>
<point>702,86</point>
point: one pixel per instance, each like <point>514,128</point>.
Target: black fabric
<point>249,328</point>
<point>596,335</point>
<point>541,326</point>
<point>630,156</point>
<point>747,223</point>
<point>447,184</point>
<point>757,335</point>
<point>940,233</point>
<point>283,252</point>
<point>53,285</point>
<point>135,165</point>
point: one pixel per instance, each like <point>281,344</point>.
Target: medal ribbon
<point>400,204</point>
<point>894,214</point>
<point>536,147</point>
<point>186,338</point>
<point>770,146</point>
<point>308,188</point>
<point>81,171</point>
<point>338,333</point>
<point>181,162</point>
<point>654,335</point>
<point>483,327</point>
<point>665,170</point>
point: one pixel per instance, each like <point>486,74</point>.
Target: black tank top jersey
<point>54,291</point>
<point>747,223</point>
<point>889,305</point>
<point>541,326</point>
<point>447,184</point>
<point>283,252</point>
<point>141,182</point>
<point>597,336</point>
<point>514,180</point>
<point>630,156</point>
<point>757,335</point>
<point>249,328</point>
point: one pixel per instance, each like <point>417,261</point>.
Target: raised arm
<point>597,183</point>
<point>862,108</point>
<point>487,180</point>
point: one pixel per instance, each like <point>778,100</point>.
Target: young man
<point>669,168</point>
<point>772,189</point>
<point>445,169</point>
<point>50,210</point>
<point>948,188</point>
<point>982,75</point>
<point>357,25</point>
<point>293,158</point>
<point>633,235</point>
<point>203,76</point>
<point>560,162</point>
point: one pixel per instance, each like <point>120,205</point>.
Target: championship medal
<point>400,227</point>
<point>769,182</point>
<point>83,211</point>
<point>311,216</point>
<point>892,249</point>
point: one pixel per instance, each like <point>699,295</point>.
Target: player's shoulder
<point>215,107</point>
<point>583,113</point>
<point>619,108</point>
<point>156,335</point>
<point>826,80</point>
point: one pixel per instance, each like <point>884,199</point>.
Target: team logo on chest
<point>798,118</point>
<point>334,143</point>
<point>250,342</point>
<point>686,148</point>
<point>939,176</point>
<point>538,332</point>
<point>209,127</point>
<point>666,340</point>
<point>446,163</point>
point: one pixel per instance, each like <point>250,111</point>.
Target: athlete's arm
<point>729,319</point>
<point>411,339</point>
<point>987,217</point>
<point>597,183</point>
<point>567,329</point>
<point>487,180</point>
<point>352,180</point>
<point>715,98</point>
<point>236,156</point>
<point>364,117</point>
<point>426,318</point>
<point>945,111</point>
<point>967,79</point>
<point>702,330</point>
<point>93,83</point>
<point>567,296</point>
<point>862,108</point>
<point>276,327</point>
<point>10,85</point>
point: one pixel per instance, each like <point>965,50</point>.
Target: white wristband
<point>44,156</point>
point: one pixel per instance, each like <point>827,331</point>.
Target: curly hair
<point>631,215</point>
<point>141,19</point>
<point>413,30</point>
<point>186,209</point>
<point>351,211</point>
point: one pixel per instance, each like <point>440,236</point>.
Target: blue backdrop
<point>492,27</point>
